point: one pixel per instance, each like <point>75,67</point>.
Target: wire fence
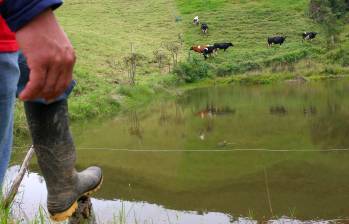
<point>208,150</point>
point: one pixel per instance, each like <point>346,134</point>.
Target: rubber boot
<point>56,156</point>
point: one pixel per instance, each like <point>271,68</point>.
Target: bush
<point>332,70</point>
<point>192,71</point>
<point>223,71</point>
<point>340,56</point>
<point>291,57</point>
<point>244,67</point>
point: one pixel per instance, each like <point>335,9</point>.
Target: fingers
<point>63,84</point>
<point>48,92</point>
<point>35,85</point>
<point>51,82</point>
<point>66,76</point>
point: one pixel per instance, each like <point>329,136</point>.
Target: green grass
<point>4,214</point>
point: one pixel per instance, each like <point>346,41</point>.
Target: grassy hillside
<point>103,32</point>
<point>248,24</point>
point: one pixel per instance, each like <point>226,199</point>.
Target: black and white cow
<point>223,46</point>
<point>208,51</point>
<point>196,20</point>
<point>276,40</point>
<point>309,35</point>
<point>204,28</point>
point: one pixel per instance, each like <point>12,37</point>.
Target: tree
<point>131,62</point>
<point>173,48</point>
<point>328,13</point>
<point>160,57</point>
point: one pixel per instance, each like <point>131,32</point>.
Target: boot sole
<point>59,217</point>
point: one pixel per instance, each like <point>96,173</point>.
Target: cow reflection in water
<point>308,111</point>
<point>211,111</point>
<point>208,114</point>
<point>278,110</point>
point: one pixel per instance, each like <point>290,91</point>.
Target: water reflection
<point>31,199</point>
<point>213,110</point>
<point>179,115</point>
<point>135,125</point>
<point>310,111</point>
<point>278,110</point>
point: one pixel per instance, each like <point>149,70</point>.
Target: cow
<point>196,20</point>
<point>204,28</point>
<point>223,46</point>
<point>199,48</point>
<point>276,40</point>
<point>208,51</point>
<point>309,35</point>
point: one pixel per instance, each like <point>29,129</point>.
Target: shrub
<point>340,56</point>
<point>332,70</point>
<point>244,67</point>
<point>223,70</point>
<point>192,70</point>
<point>131,62</point>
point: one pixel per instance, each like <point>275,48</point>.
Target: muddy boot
<point>55,151</point>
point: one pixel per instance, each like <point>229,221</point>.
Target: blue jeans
<point>14,75</point>
<point>9,76</point>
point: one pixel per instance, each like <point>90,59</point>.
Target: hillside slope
<point>248,24</point>
<point>103,32</point>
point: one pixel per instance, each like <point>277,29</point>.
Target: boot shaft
<point>54,147</point>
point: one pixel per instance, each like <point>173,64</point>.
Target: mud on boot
<point>55,150</point>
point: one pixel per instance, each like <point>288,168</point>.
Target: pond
<point>224,154</point>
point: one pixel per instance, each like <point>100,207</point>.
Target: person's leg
<point>54,147</point>
<point>9,74</point>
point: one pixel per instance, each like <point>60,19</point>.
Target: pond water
<point>225,154</point>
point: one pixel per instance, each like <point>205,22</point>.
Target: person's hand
<point>50,57</point>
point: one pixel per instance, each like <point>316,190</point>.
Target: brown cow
<point>199,48</point>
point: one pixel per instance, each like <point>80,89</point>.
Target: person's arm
<point>18,13</point>
<point>49,53</point>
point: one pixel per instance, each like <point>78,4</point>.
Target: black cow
<point>309,35</point>
<point>204,28</point>
<point>208,51</point>
<point>276,40</point>
<point>223,46</point>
